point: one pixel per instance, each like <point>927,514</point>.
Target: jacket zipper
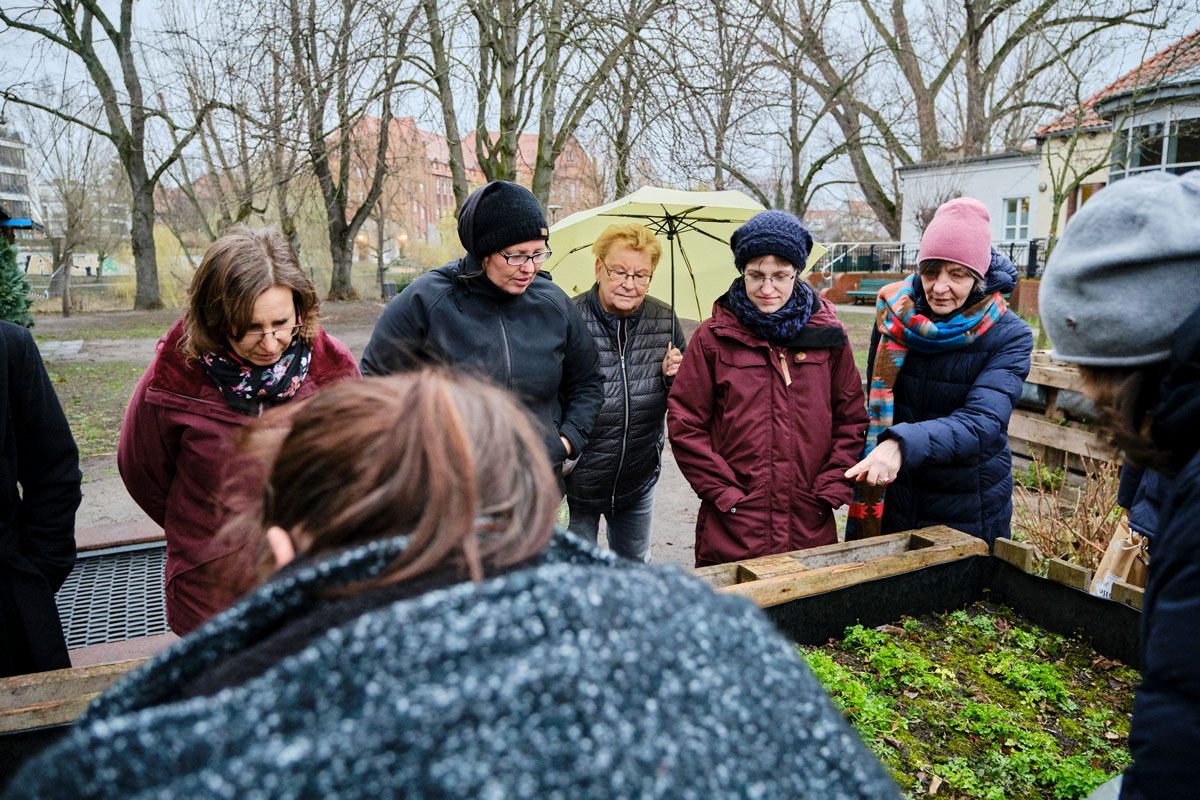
<point>625,428</point>
<point>783,367</point>
<point>507,353</point>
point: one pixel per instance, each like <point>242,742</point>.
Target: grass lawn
<point>979,703</point>
<point>94,396</point>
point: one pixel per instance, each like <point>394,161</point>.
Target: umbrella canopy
<point>694,229</point>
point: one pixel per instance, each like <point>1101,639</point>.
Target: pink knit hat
<point>959,232</point>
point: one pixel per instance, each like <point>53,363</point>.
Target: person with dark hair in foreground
<point>429,635</point>
<point>39,465</point>
<point>249,340</point>
<point>1121,299</point>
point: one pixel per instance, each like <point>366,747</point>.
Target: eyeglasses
<point>277,335</point>
<point>778,279</point>
<point>621,276</point>
<point>520,259</point>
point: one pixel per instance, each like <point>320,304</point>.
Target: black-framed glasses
<point>278,335</point>
<point>520,259</point>
<point>622,276</point>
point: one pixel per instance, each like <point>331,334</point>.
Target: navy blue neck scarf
<point>780,327</point>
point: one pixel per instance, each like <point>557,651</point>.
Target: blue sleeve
<point>1164,739</point>
<point>982,419</point>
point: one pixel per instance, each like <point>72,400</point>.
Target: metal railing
<point>1029,256</point>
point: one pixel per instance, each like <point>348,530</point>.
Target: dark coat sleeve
<point>581,391</point>
<point>982,419</point>
<point>1165,736</point>
<point>690,409</point>
<point>849,428</point>
<point>48,470</point>
<point>399,335</point>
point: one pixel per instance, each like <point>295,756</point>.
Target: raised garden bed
<point>1056,657</point>
<point>981,703</point>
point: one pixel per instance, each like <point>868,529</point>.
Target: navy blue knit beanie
<point>497,215</point>
<point>771,233</point>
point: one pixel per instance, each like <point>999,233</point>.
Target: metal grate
<point>114,596</point>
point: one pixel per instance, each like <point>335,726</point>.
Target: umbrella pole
<point>674,316</point>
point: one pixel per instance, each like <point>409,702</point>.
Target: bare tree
<point>346,59</point>
<point>534,61</point>
<point>69,158</point>
<point>78,28</point>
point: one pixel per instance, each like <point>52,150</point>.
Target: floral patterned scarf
<point>248,388</point>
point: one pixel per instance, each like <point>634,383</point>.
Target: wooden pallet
<point>1048,435</point>
<point>1021,556</point>
<point>777,579</point>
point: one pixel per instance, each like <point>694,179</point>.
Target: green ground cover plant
<point>94,396</point>
<point>979,703</point>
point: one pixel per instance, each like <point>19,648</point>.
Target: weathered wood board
<point>777,579</point>
<point>55,697</point>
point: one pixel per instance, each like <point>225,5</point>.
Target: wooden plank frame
<point>777,579</point>
<point>56,697</point>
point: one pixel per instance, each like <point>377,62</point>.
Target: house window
<point>1160,146</point>
<point>1016,218</point>
<point>570,155</point>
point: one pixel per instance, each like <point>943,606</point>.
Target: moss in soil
<point>979,703</point>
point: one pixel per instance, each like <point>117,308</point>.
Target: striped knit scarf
<point>904,328</point>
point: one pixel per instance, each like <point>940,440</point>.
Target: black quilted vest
<point>624,452</point>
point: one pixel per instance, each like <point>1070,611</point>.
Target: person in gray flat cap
<point>1121,298</point>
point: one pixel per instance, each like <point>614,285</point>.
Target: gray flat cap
<point>1126,273</point>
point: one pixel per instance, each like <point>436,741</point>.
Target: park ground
<point>96,359</point>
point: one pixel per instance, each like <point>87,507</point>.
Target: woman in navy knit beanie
<point>766,412</point>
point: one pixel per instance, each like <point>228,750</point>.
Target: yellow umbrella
<point>693,228</point>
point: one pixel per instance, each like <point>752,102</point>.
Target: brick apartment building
<point>417,203</point>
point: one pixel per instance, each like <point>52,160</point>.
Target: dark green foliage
<point>14,288</point>
<point>980,704</point>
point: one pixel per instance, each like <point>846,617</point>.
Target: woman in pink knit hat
<point>946,367</point>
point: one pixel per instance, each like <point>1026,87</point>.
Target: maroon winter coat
<point>766,457</point>
<point>175,454</point>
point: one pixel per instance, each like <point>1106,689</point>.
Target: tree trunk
<point>441,77</point>
<point>975,133</point>
<point>141,237</point>
<point>621,142</point>
<point>341,250</point>
<point>66,284</point>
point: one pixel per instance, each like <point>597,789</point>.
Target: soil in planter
<point>980,703</point>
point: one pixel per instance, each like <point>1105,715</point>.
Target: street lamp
<point>554,213</point>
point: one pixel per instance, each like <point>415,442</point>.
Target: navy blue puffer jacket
<point>951,418</point>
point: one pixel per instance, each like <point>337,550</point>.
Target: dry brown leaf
<point>934,785</point>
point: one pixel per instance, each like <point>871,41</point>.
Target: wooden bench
<point>868,289</point>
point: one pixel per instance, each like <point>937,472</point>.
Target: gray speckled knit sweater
<point>583,677</point>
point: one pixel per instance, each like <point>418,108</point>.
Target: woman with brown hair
<point>429,635</point>
<point>249,340</point>
<point>1121,299</point>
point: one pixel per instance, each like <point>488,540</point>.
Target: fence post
<point>1031,264</point>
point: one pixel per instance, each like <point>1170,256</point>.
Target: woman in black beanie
<point>495,313</point>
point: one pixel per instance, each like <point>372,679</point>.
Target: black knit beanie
<point>771,233</point>
<point>497,215</point>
